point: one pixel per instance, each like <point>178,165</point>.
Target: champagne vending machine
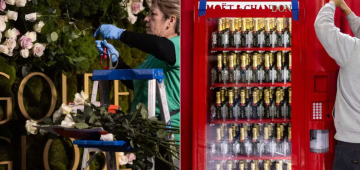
<point>264,87</point>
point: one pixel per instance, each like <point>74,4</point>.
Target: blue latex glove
<point>108,31</point>
<point>110,49</point>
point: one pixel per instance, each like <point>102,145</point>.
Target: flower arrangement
<point>147,135</point>
<point>26,44</point>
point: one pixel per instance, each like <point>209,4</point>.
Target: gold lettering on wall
<point>8,103</point>
<point>8,109</point>
<point>117,93</point>
<point>8,163</point>
<point>21,97</point>
<point>46,155</point>
<point>64,89</point>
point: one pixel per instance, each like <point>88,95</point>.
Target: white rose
<point>80,98</point>
<point>31,35</point>
<point>10,43</point>
<point>2,26</point>
<point>20,3</point>
<point>24,53</point>
<point>30,127</point>
<point>107,137</point>
<point>4,18</point>
<point>38,49</point>
<point>12,15</point>
<point>30,17</point>
<point>123,160</point>
<point>11,33</point>
<point>68,122</point>
<point>56,115</point>
<point>10,2</point>
<point>4,49</point>
<point>65,109</point>
<point>38,26</point>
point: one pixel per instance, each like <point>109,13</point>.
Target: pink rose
<point>25,42</point>
<point>2,5</point>
<point>38,49</point>
<point>131,157</point>
<point>136,8</point>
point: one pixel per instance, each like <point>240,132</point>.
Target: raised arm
<point>160,47</point>
<point>354,21</point>
<point>339,46</point>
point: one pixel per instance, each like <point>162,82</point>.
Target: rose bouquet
<point>146,135</point>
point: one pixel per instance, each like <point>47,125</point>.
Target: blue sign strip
<point>202,7</point>
<point>295,9</point>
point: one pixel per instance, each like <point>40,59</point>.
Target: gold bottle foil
<point>279,24</point>
<point>271,58</point>
<point>267,25</point>
<point>260,94</point>
<point>278,133</point>
<point>231,98</point>
<point>232,25</point>
<point>282,95</point>
<point>289,133</point>
<point>218,134</point>
<point>253,166</point>
<point>222,131</point>
<point>218,167</point>
<point>266,166</point>
<point>218,99</point>
<point>267,61</point>
<point>219,60</point>
<point>288,166</point>
<point>290,61</point>
<point>278,97</point>
<point>255,99</point>
<point>259,58</point>
<point>255,62</point>
<point>290,25</point>
<point>242,96</point>
<point>229,165</point>
<point>236,23</point>
<point>231,61</point>
<point>220,26</point>
<point>236,93</point>
<point>223,24</point>
<point>290,95</point>
<point>255,134</point>
<point>244,25</point>
<point>241,166</point>
<point>256,24</point>
<point>238,59</point>
<point>281,130</point>
<point>234,130</point>
<point>246,93</point>
<point>278,60</point>
<point>230,134</point>
<point>242,134</point>
<point>224,59</point>
<point>267,97</point>
<point>243,61</point>
<point>247,61</point>
<point>222,95</point>
<point>227,23</point>
<point>266,133</point>
<point>270,129</point>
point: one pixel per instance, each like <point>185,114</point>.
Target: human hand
<point>345,8</point>
<point>108,31</point>
<point>110,49</point>
<point>337,2</point>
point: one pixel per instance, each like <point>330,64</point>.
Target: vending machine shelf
<point>232,121</point>
<point>216,85</point>
<point>251,49</point>
<point>219,158</point>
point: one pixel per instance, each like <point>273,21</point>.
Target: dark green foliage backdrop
<point>73,53</point>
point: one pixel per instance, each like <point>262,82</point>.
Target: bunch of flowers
<point>14,42</point>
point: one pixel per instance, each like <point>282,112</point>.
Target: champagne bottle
<point>243,68</point>
<point>278,103</point>
<point>279,67</point>
<point>219,69</point>
<point>267,68</point>
<point>289,68</point>
<point>244,31</point>
<point>218,106</point>
<point>231,107</point>
<point>224,103</point>
<point>231,137</point>
<point>233,31</point>
<point>226,35</point>
<point>256,30</point>
<point>255,69</point>
<point>255,104</point>
<point>231,68</point>
<point>289,103</point>
<point>229,165</point>
<point>219,34</point>
<point>286,34</point>
<point>290,32</point>
<point>280,34</point>
<point>237,35</point>
<point>242,104</point>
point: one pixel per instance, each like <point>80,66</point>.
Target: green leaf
<point>81,125</point>
<point>92,119</point>
<point>74,35</point>
<point>88,111</point>
<point>153,119</point>
<point>142,108</point>
<point>51,63</point>
<point>132,143</point>
<point>79,59</point>
<point>47,120</point>
<point>161,133</point>
<point>54,36</point>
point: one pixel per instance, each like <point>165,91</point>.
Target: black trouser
<point>347,156</point>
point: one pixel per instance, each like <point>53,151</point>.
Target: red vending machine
<point>263,88</point>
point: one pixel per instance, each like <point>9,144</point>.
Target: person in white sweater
<point>345,50</point>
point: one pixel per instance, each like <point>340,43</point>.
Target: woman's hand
<point>345,8</point>
<point>337,2</point>
<point>108,31</point>
<point>110,49</point>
